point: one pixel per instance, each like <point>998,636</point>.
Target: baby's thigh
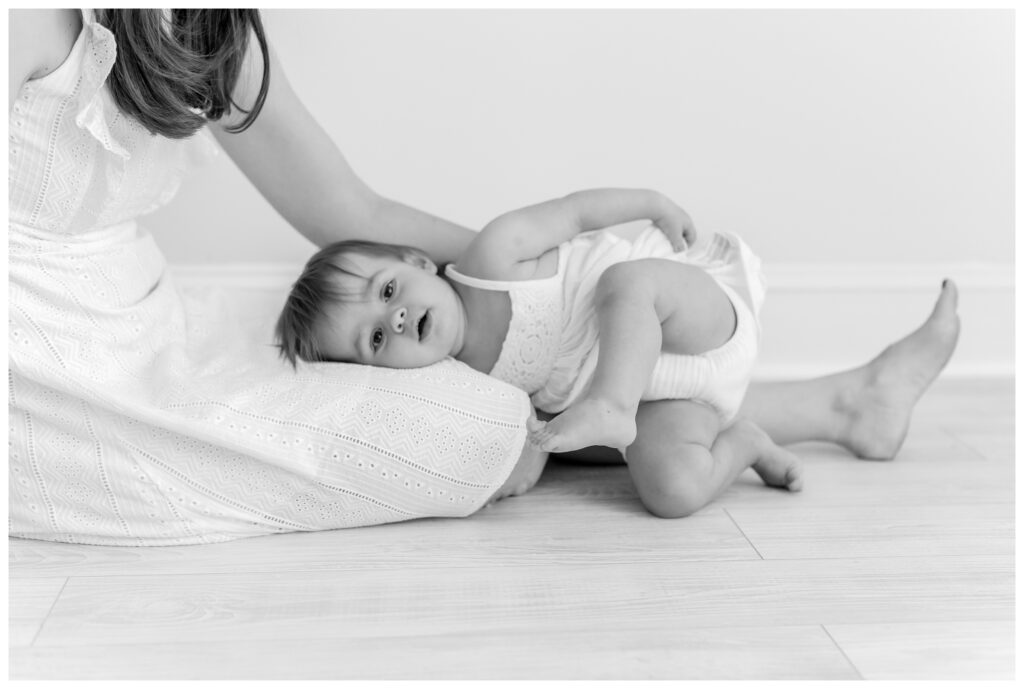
<point>695,312</point>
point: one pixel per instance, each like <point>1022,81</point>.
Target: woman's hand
<point>525,473</point>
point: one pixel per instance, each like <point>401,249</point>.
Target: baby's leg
<point>676,479</point>
<point>643,307</point>
<point>867,409</point>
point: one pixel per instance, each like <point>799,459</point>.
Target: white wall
<point>879,143</point>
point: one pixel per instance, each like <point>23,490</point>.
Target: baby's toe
<point>795,478</point>
<point>535,425</point>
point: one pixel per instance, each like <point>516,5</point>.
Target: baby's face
<point>407,317</point>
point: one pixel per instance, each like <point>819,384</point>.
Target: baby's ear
<point>420,260</point>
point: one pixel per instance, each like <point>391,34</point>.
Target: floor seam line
<point>742,532</point>
<point>843,652</point>
<point>35,637</point>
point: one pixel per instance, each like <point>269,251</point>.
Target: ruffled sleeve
<point>97,61</point>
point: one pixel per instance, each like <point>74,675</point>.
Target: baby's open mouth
<point>421,325</point>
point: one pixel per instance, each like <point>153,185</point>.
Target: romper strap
<point>505,285</point>
<point>480,283</point>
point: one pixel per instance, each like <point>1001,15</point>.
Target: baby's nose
<point>398,319</point>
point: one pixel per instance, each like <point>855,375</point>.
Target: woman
<point>142,416</point>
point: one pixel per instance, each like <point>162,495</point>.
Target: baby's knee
<point>672,497</point>
<point>620,280</point>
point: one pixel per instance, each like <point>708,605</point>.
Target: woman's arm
<point>299,169</point>
<point>40,41</point>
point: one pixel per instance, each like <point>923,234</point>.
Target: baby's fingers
<point>689,230</point>
<point>690,234</point>
<point>675,236</point>
<point>681,241</point>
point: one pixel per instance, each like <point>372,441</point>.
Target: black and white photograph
<point>551,343</point>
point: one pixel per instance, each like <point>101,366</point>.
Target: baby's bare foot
<point>590,421</point>
<point>776,466</point>
<point>879,410</point>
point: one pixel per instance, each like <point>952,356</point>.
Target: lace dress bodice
<point>76,163</point>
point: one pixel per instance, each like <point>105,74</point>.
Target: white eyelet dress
<point>143,415</point>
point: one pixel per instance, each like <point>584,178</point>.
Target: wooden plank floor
<point>878,570</point>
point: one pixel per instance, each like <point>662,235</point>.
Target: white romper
<point>551,348</point>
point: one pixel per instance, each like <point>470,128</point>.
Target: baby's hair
<point>318,287</point>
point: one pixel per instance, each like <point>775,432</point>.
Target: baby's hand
<point>677,226</point>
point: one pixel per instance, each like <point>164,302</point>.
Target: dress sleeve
<point>100,52</point>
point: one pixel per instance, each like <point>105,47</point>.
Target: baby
<point>589,323</point>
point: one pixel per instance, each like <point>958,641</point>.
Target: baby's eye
<point>376,339</point>
<point>389,290</point>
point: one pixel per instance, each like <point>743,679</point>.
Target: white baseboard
<point>824,318</point>
<point>768,372</point>
<point>817,318</point>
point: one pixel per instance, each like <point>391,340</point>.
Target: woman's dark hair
<point>176,69</point>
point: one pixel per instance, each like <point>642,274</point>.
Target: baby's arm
<point>528,233</point>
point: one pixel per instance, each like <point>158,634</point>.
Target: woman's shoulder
<point>40,41</point>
